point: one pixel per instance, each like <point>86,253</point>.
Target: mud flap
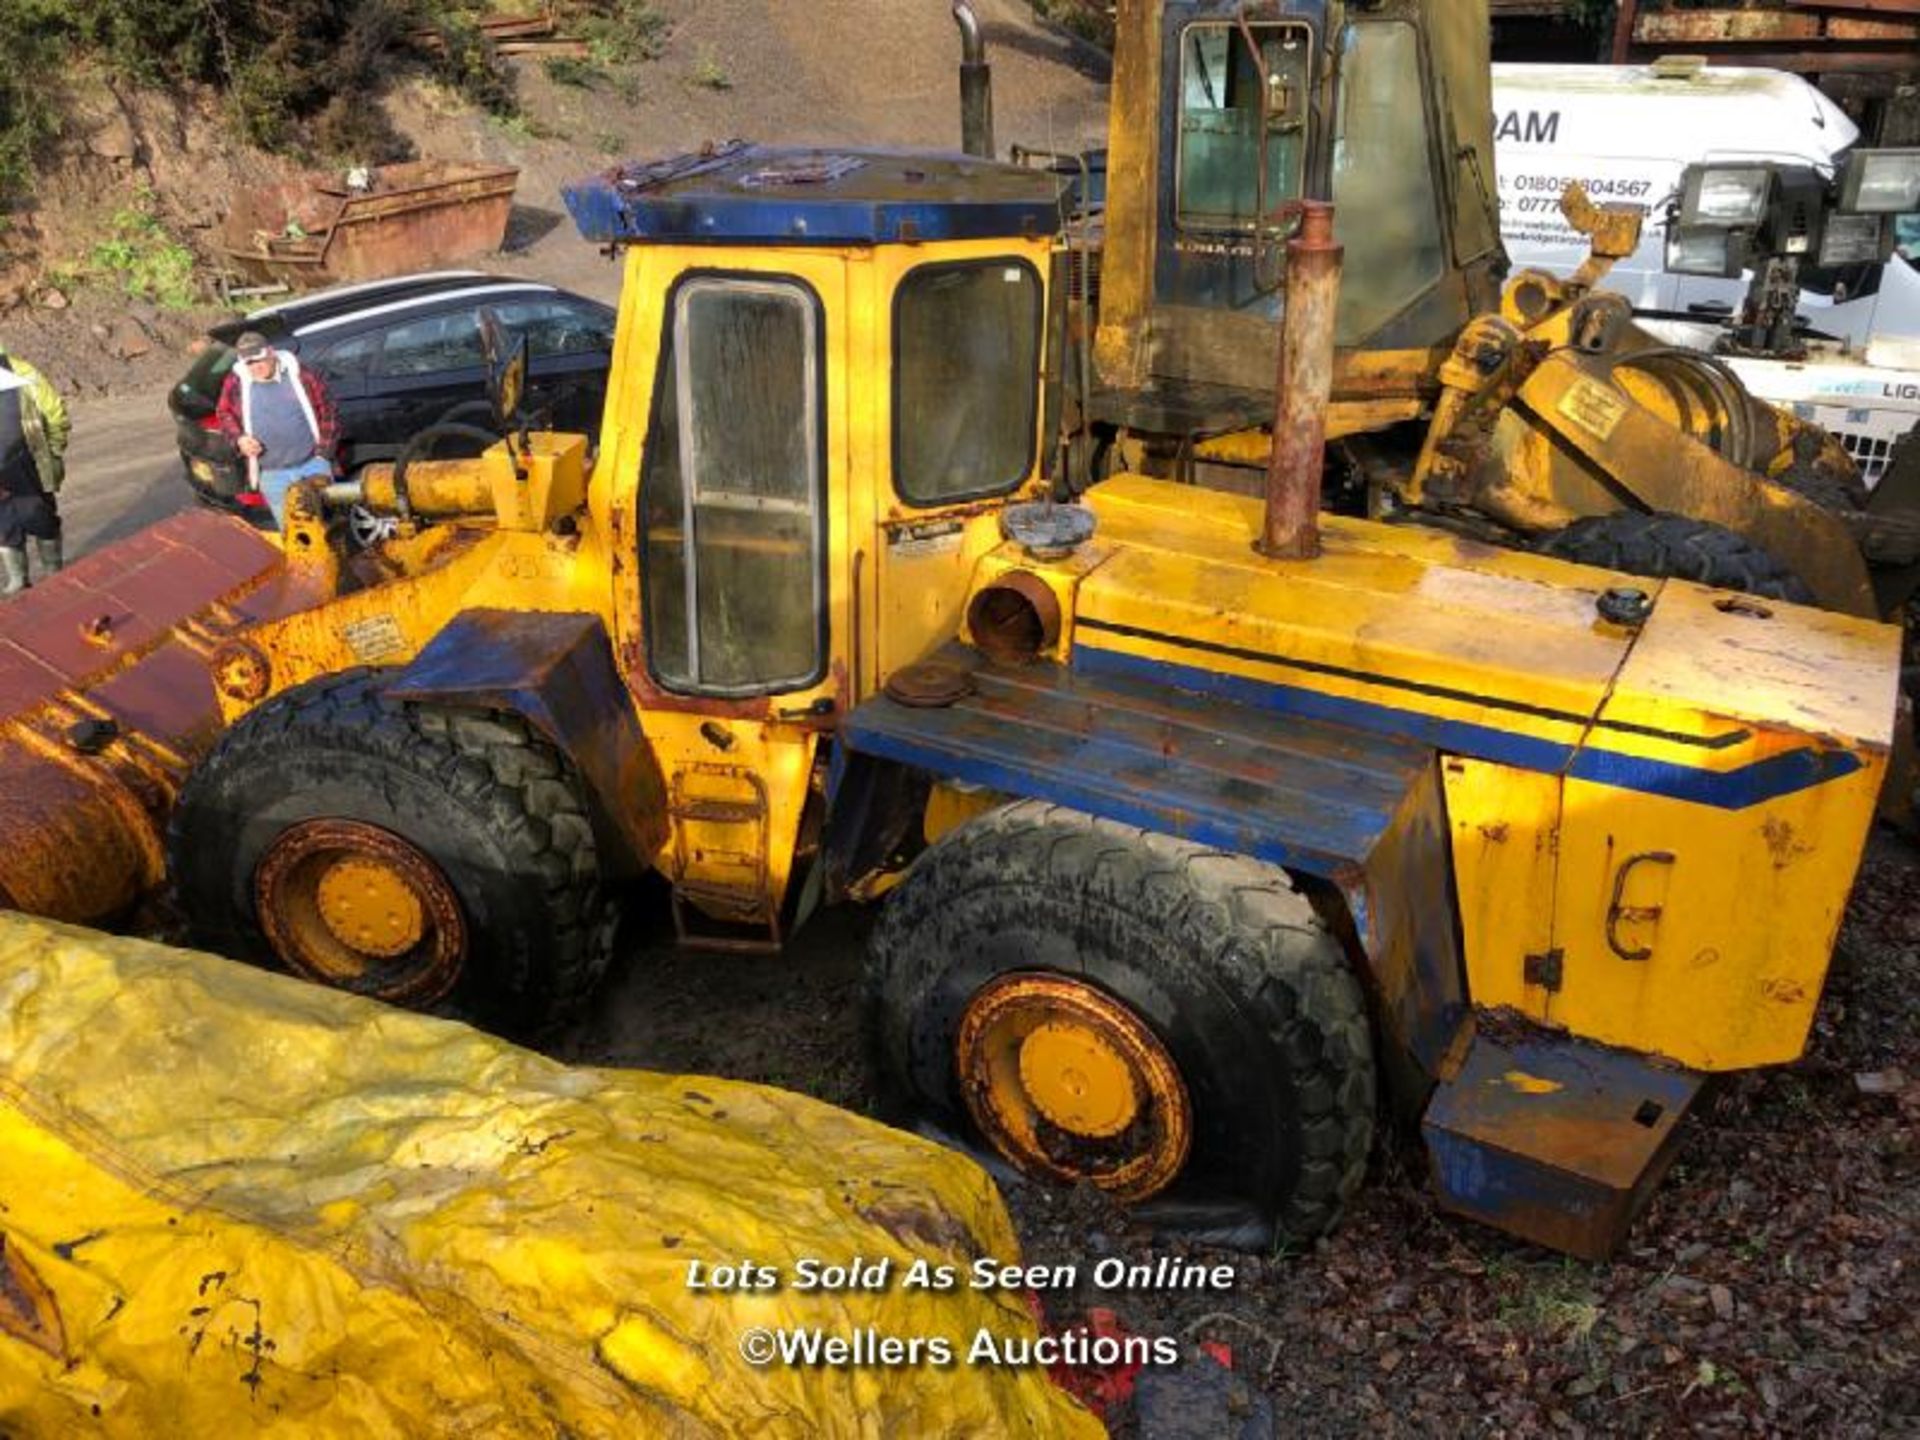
<point>1555,1140</point>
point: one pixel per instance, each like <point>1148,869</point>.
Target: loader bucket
<point>107,700</point>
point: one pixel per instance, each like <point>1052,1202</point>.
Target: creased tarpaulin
<point>233,1203</point>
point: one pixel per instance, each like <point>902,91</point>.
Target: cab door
<point>961,345</point>
<point>735,652</point>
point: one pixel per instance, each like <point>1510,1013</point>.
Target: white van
<point>1628,131</point>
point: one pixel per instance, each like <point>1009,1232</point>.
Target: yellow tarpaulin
<point>232,1203</point>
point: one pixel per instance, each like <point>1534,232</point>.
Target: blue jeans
<point>274,484</point>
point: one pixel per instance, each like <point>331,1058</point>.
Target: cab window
<point>1388,212</point>
<point>1223,109</point>
<point>965,380</point>
<point>732,508</point>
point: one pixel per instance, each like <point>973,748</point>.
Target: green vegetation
<point>138,258</point>
<point>618,32</point>
<point>1089,19</point>
<point>708,73</point>
<point>567,70</point>
<point>299,76</point>
<point>1551,1302</point>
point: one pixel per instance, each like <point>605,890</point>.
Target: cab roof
<point>741,193</point>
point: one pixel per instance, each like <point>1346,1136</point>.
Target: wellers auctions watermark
<point>873,1347</point>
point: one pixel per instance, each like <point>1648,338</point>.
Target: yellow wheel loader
<point>1524,409</point>
<point>1206,831</point>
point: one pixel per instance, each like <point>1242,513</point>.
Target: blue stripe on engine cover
<point>1723,789</point>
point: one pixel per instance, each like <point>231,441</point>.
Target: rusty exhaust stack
<point>1302,389</point>
<point>976,84</point>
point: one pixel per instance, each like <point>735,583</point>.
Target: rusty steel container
<point>321,229</point>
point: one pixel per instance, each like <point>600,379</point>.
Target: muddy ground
<point>1772,1288</point>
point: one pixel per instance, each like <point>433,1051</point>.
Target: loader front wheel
<point>428,858</point>
<point>1107,1005</point>
<point>1678,547</point>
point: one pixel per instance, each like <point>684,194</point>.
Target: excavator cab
<point>1226,116</point>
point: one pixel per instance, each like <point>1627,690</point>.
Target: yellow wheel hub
<point>368,905</point>
<point>1066,1081</point>
<point>1078,1080</point>
<point>355,906</point>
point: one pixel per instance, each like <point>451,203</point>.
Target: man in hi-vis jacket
<point>33,450</point>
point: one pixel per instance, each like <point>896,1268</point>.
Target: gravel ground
<point>1770,1288</point>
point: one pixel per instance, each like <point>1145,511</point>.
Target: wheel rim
<point>1066,1081</point>
<point>369,528</point>
<point>356,907</point>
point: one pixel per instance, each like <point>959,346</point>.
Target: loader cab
<point>1226,114</point>
<point>826,386</point>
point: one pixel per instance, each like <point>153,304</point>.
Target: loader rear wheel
<point>1676,546</point>
<point>1108,1005</point>
<point>428,858</point>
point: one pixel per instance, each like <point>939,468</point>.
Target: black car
<point>397,355</point>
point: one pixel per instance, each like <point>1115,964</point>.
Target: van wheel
<point>1108,1005</point>
<point>423,857</point>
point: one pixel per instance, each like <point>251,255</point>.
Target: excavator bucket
<point>107,699</point>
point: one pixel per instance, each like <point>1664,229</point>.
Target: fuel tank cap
<point>1046,529</point>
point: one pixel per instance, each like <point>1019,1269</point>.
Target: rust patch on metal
<point>241,672</point>
<point>1291,528</point>
<point>929,684</point>
<point>1069,1083</point>
<point>298,896</point>
<point>1783,844</point>
<point>28,1310</point>
<point>1015,618</point>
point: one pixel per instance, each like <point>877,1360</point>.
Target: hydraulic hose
<point>1733,436</point>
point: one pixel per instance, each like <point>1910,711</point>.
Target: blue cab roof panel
<point>750,193</point>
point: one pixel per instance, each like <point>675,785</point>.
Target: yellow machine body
<point>1623,815</point>
<point>739,773</point>
<point>1693,928</point>
<point>1629,830</point>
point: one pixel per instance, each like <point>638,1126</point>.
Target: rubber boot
<point>13,571</point>
<point>47,552</point>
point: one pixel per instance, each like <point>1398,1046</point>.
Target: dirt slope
<point>838,71</point>
<point>872,72</point>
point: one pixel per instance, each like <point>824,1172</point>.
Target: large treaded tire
<point>1675,546</point>
<point>494,805</point>
<point>1222,957</point>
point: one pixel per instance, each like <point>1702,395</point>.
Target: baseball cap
<point>252,345</point>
